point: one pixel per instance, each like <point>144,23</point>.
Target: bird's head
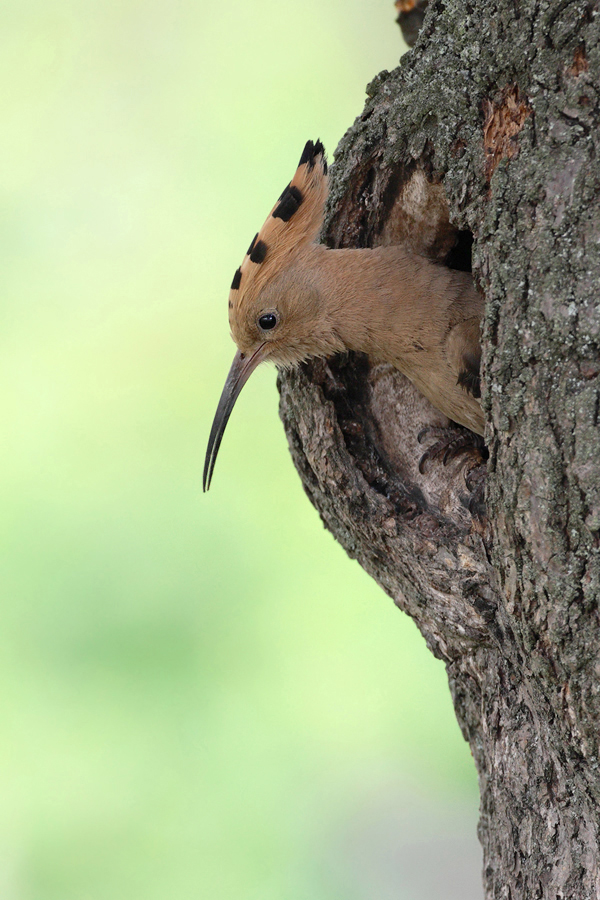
<point>274,304</point>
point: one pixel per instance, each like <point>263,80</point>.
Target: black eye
<point>267,321</point>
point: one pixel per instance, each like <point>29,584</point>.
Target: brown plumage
<point>292,299</point>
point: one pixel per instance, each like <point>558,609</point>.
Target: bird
<point>293,299</point>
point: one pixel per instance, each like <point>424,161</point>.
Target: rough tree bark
<point>487,128</point>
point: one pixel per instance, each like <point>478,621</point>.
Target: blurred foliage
<point>199,693</point>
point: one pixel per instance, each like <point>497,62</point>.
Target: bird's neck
<point>367,294</point>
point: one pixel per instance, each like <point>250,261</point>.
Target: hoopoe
<point>292,299</point>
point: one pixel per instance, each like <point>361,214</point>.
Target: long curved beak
<point>241,370</point>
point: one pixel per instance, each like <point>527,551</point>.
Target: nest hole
<point>461,255</point>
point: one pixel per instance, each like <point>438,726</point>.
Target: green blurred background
<point>201,696</point>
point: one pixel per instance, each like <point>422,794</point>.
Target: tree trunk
<point>489,129</point>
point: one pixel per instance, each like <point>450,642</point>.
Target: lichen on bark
<point>489,128</point>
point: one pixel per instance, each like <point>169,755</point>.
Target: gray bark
<point>489,125</point>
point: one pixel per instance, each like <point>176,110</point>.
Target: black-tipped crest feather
<point>311,152</point>
<point>289,203</point>
<point>258,251</point>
